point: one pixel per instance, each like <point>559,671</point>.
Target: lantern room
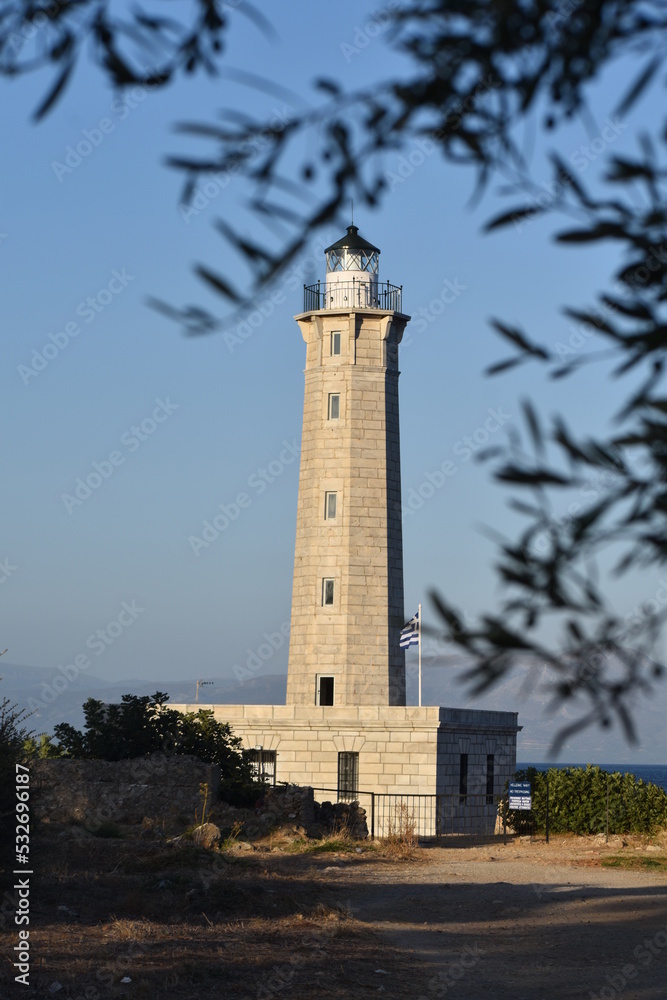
<point>351,281</point>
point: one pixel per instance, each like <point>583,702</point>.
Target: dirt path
<point>144,919</point>
<point>513,925</point>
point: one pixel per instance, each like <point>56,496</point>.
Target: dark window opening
<point>325,695</point>
<point>463,777</point>
<point>348,776</point>
<point>489,778</point>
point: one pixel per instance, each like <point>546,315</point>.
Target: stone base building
<point>462,756</point>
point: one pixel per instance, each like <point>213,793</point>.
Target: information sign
<point>520,795</point>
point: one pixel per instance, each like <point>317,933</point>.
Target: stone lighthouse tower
<point>345,727</point>
<point>347,597</point>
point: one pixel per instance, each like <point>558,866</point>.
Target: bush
<point>12,737</point>
<point>578,802</point>
<point>142,725</point>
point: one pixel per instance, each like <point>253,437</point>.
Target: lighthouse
<point>347,592</point>
<point>345,728</point>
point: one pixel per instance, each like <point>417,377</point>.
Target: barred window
<point>348,776</point>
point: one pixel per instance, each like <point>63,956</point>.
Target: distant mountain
<point>52,697</point>
<point>529,691</point>
<point>56,698</point>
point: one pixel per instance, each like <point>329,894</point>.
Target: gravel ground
<point>526,922</point>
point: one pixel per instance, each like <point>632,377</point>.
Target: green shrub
<point>137,726</point>
<point>578,802</point>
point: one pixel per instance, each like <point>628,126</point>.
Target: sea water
<point>656,774</point>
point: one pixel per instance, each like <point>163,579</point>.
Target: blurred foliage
<point>578,802</point>
<point>478,70</point>
<point>132,45</point>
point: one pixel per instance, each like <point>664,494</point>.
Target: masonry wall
<point>94,792</point>
<point>402,750</point>
<point>357,456</point>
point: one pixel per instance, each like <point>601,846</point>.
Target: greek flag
<point>410,633</point>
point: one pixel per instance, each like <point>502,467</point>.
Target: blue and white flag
<point>410,633</point>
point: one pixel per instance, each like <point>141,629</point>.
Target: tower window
<point>325,690</point>
<point>463,778</point>
<point>330,506</point>
<point>335,342</point>
<point>489,779</point>
<point>348,776</point>
<point>327,591</point>
<point>334,406</point>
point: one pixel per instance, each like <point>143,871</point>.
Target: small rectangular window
<point>325,690</point>
<point>327,591</point>
<point>348,776</point>
<point>330,506</point>
<point>335,342</point>
<point>489,779</point>
<point>463,778</point>
<point>334,406</point>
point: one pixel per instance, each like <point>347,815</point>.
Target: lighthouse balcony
<point>353,294</point>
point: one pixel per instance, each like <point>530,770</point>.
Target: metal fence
<point>450,818</point>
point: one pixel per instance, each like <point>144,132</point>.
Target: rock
<point>242,845</point>
<point>207,835</point>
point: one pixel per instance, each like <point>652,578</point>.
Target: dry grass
<point>402,841</point>
<point>180,920</point>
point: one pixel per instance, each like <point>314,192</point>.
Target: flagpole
<point>419,613</point>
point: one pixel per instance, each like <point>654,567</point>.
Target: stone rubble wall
<point>333,817</point>
<point>100,791</point>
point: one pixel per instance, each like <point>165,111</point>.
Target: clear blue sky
<point>214,413</point>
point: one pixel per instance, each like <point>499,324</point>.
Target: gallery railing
<point>353,294</point>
